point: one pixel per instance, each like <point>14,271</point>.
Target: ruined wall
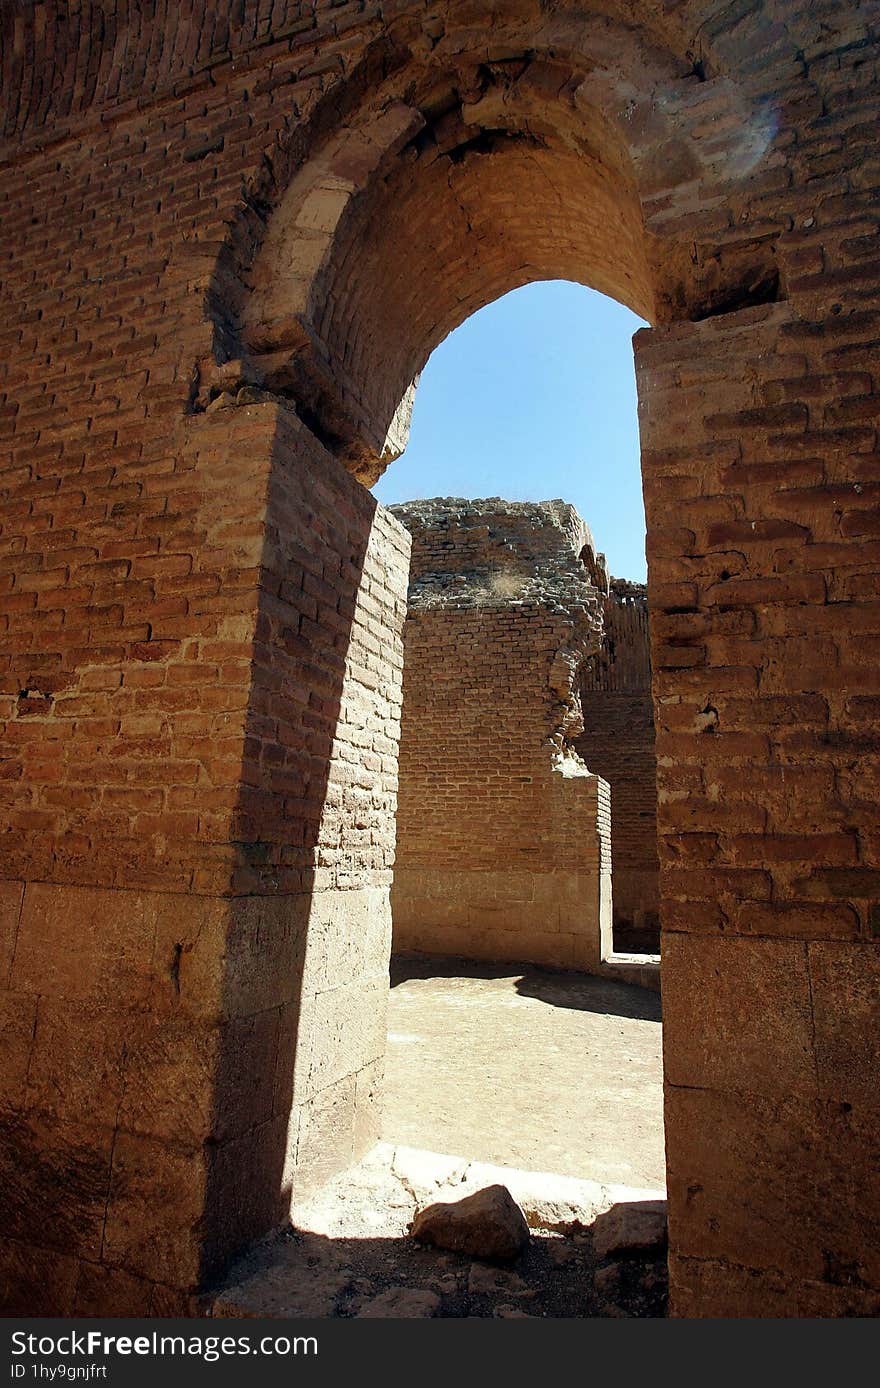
<point>283,207</point>
<point>618,744</point>
<point>502,838</point>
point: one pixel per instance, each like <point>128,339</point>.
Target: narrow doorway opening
<point>524,902</point>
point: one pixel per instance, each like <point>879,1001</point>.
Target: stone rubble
<point>488,1224</point>
<point>351,1252</point>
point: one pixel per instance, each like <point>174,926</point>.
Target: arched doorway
<point>446,190</point>
<point>721,169</point>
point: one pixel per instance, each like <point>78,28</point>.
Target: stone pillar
<point>764,683</point>
<point>195,926</point>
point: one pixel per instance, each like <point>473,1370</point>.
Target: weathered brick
<point>135,249</point>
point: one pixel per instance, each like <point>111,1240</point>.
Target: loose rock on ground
<point>488,1224</point>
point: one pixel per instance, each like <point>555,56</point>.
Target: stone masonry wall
<point>502,849</point>
<point>618,744</point>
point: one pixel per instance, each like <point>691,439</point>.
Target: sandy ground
<point>526,1067</point>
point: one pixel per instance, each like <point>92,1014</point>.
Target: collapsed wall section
<point>503,833</point>
<point>618,744</point>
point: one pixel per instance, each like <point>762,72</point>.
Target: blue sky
<point>533,398</point>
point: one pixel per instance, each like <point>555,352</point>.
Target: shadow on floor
<point>557,988</point>
<point>304,1275</point>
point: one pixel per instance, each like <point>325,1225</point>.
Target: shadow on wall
<point>295,1099</point>
<point>557,988</point>
<point>202,1005</point>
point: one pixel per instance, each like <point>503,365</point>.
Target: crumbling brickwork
<point>232,235</point>
<point>618,744</point>
<point>502,836</point>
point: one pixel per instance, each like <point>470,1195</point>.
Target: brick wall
<point>176,926</point>
<point>196,960</point>
<point>502,837</point>
<point>618,744</point>
<point>762,668</point>
<point>284,208</point>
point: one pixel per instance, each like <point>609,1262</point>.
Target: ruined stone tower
<point>503,847</point>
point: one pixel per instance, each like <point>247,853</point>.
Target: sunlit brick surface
<point>503,845</point>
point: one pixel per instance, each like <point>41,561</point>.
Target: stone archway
<point>222,859</point>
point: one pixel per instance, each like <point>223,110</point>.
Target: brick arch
<point>536,165</point>
<point>371,287</point>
